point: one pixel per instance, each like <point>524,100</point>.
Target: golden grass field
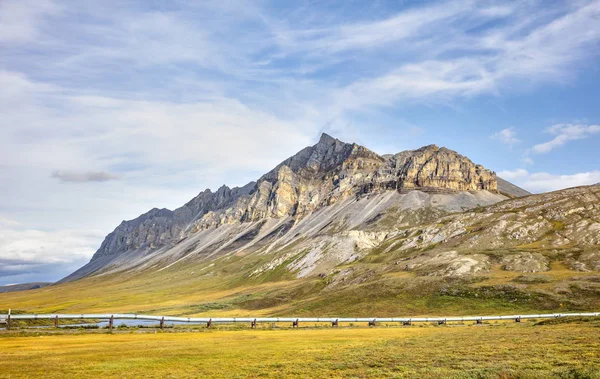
<point>505,350</point>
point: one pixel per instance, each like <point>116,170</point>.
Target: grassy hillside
<point>178,292</point>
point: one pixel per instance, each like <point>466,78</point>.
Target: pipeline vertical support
<point>253,324</point>
<point>56,322</point>
<point>162,323</point>
<point>209,323</point>
<point>110,322</point>
<point>335,323</point>
<point>295,324</point>
<point>8,322</point>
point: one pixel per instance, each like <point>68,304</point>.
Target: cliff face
<point>433,167</point>
<point>162,227</point>
<point>331,171</point>
<point>316,178</point>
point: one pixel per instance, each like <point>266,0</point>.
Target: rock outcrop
<point>525,262</point>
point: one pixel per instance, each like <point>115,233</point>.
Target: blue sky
<point>110,108</point>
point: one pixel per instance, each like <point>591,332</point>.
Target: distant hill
<point>23,286</point>
<point>510,189</point>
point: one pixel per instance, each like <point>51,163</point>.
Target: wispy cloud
<point>565,133</point>
<point>410,25</point>
<point>507,136</point>
<point>504,57</point>
<point>20,20</point>
<point>527,160</point>
<point>83,177</point>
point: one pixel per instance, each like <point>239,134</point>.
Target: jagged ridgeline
<point>332,189</point>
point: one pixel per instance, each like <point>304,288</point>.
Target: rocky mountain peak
<point>318,176</point>
<point>432,147</point>
<point>327,139</point>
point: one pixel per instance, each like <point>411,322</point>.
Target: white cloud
<point>37,255</point>
<point>96,133</point>
<point>514,174</point>
<point>544,182</point>
<point>507,136</point>
<point>60,246</point>
<point>565,133</point>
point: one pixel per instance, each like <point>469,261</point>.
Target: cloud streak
<point>507,136</point>
<point>565,133</point>
<point>83,177</point>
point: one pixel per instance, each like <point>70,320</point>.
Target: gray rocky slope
<point>331,201</point>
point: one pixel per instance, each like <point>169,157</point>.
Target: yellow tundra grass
<point>494,351</point>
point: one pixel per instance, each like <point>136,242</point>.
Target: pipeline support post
<point>8,322</point>
<point>56,322</point>
<point>162,323</point>
<point>110,322</point>
<point>295,324</point>
<point>253,324</point>
<point>209,323</point>
<point>335,323</point>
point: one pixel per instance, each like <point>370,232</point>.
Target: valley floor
<point>528,350</point>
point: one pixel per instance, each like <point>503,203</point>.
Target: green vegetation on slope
<point>373,291</point>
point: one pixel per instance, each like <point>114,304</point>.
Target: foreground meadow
<point>569,350</point>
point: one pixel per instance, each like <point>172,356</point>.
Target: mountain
<point>338,230</point>
<point>342,187</point>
